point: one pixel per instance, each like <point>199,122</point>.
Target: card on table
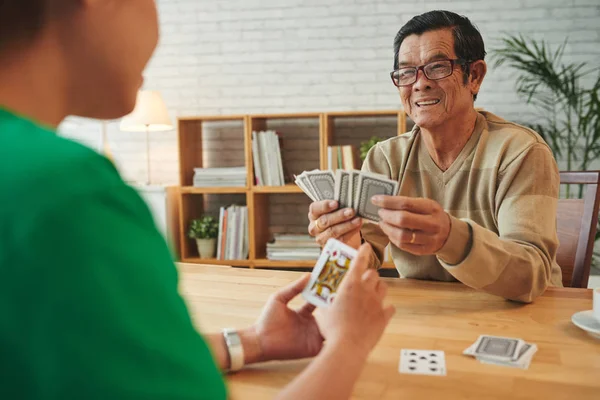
<point>422,362</point>
<point>498,348</point>
<point>328,272</point>
<point>523,361</point>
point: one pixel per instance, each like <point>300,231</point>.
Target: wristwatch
<point>235,349</point>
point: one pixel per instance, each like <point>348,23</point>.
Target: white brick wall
<point>250,56</point>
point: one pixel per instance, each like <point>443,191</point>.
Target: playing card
<point>422,362</point>
<point>307,187</point>
<point>304,188</point>
<point>352,186</point>
<point>523,361</point>
<point>342,186</point>
<point>497,348</point>
<point>369,185</point>
<point>328,272</point>
<point>322,184</point>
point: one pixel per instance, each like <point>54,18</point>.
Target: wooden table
<point>429,315</point>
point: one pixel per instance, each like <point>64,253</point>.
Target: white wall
<point>249,56</point>
<point>244,56</point>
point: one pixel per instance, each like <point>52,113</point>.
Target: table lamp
<point>149,115</point>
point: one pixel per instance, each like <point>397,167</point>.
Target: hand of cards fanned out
<point>352,189</point>
<point>327,275</point>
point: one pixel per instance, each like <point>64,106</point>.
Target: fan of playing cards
<point>352,189</point>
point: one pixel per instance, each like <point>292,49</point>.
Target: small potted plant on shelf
<point>366,146</point>
<point>205,230</point>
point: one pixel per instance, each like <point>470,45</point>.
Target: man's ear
<point>478,70</point>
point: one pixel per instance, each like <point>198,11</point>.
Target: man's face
<point>433,103</point>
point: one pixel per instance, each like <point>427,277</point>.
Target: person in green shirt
<point>89,307</point>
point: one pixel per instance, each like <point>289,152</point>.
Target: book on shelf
<point>266,158</point>
<point>232,242</point>
<point>290,247</point>
<point>220,177</point>
<point>341,157</point>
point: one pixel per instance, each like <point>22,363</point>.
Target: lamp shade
<point>150,114</point>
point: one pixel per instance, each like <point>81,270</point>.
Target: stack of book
<point>232,243</point>
<point>286,247</point>
<point>266,155</point>
<point>341,157</point>
<point>229,176</point>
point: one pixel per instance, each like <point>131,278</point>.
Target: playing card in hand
<point>328,272</point>
<point>342,188</point>
<point>322,184</point>
<point>353,189</point>
<point>370,185</point>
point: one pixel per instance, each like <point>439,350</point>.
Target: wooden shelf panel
<point>264,263</point>
<point>286,116</point>
<point>372,113</point>
<point>213,261</point>
<point>388,265</point>
<point>213,118</point>
<point>213,190</point>
<point>290,188</point>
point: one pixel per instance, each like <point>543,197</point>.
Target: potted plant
<point>565,98</point>
<point>366,146</point>
<point>205,230</point>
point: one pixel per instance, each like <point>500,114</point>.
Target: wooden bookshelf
<point>192,201</point>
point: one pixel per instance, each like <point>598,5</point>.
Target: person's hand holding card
<point>417,225</point>
<point>284,333</point>
<point>357,316</point>
<point>327,221</point>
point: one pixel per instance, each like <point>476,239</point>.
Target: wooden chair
<point>576,226</point>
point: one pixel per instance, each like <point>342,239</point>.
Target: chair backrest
<point>576,226</point>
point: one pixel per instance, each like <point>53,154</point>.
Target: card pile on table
<point>350,188</point>
<point>509,352</point>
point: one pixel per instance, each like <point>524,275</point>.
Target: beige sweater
<point>501,193</point>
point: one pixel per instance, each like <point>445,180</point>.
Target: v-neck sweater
<point>501,193</point>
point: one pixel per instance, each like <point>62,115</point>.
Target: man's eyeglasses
<point>434,71</point>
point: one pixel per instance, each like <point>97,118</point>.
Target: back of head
<point>84,69</point>
<point>468,43</point>
<point>20,21</point>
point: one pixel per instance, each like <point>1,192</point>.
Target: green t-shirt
<point>89,307</point>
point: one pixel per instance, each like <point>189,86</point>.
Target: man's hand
<point>284,333</point>
<point>326,222</point>
<point>417,225</point>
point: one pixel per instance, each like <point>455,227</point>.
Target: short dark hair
<point>468,43</point>
<point>20,20</point>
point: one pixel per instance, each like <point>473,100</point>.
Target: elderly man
<point>477,194</point>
